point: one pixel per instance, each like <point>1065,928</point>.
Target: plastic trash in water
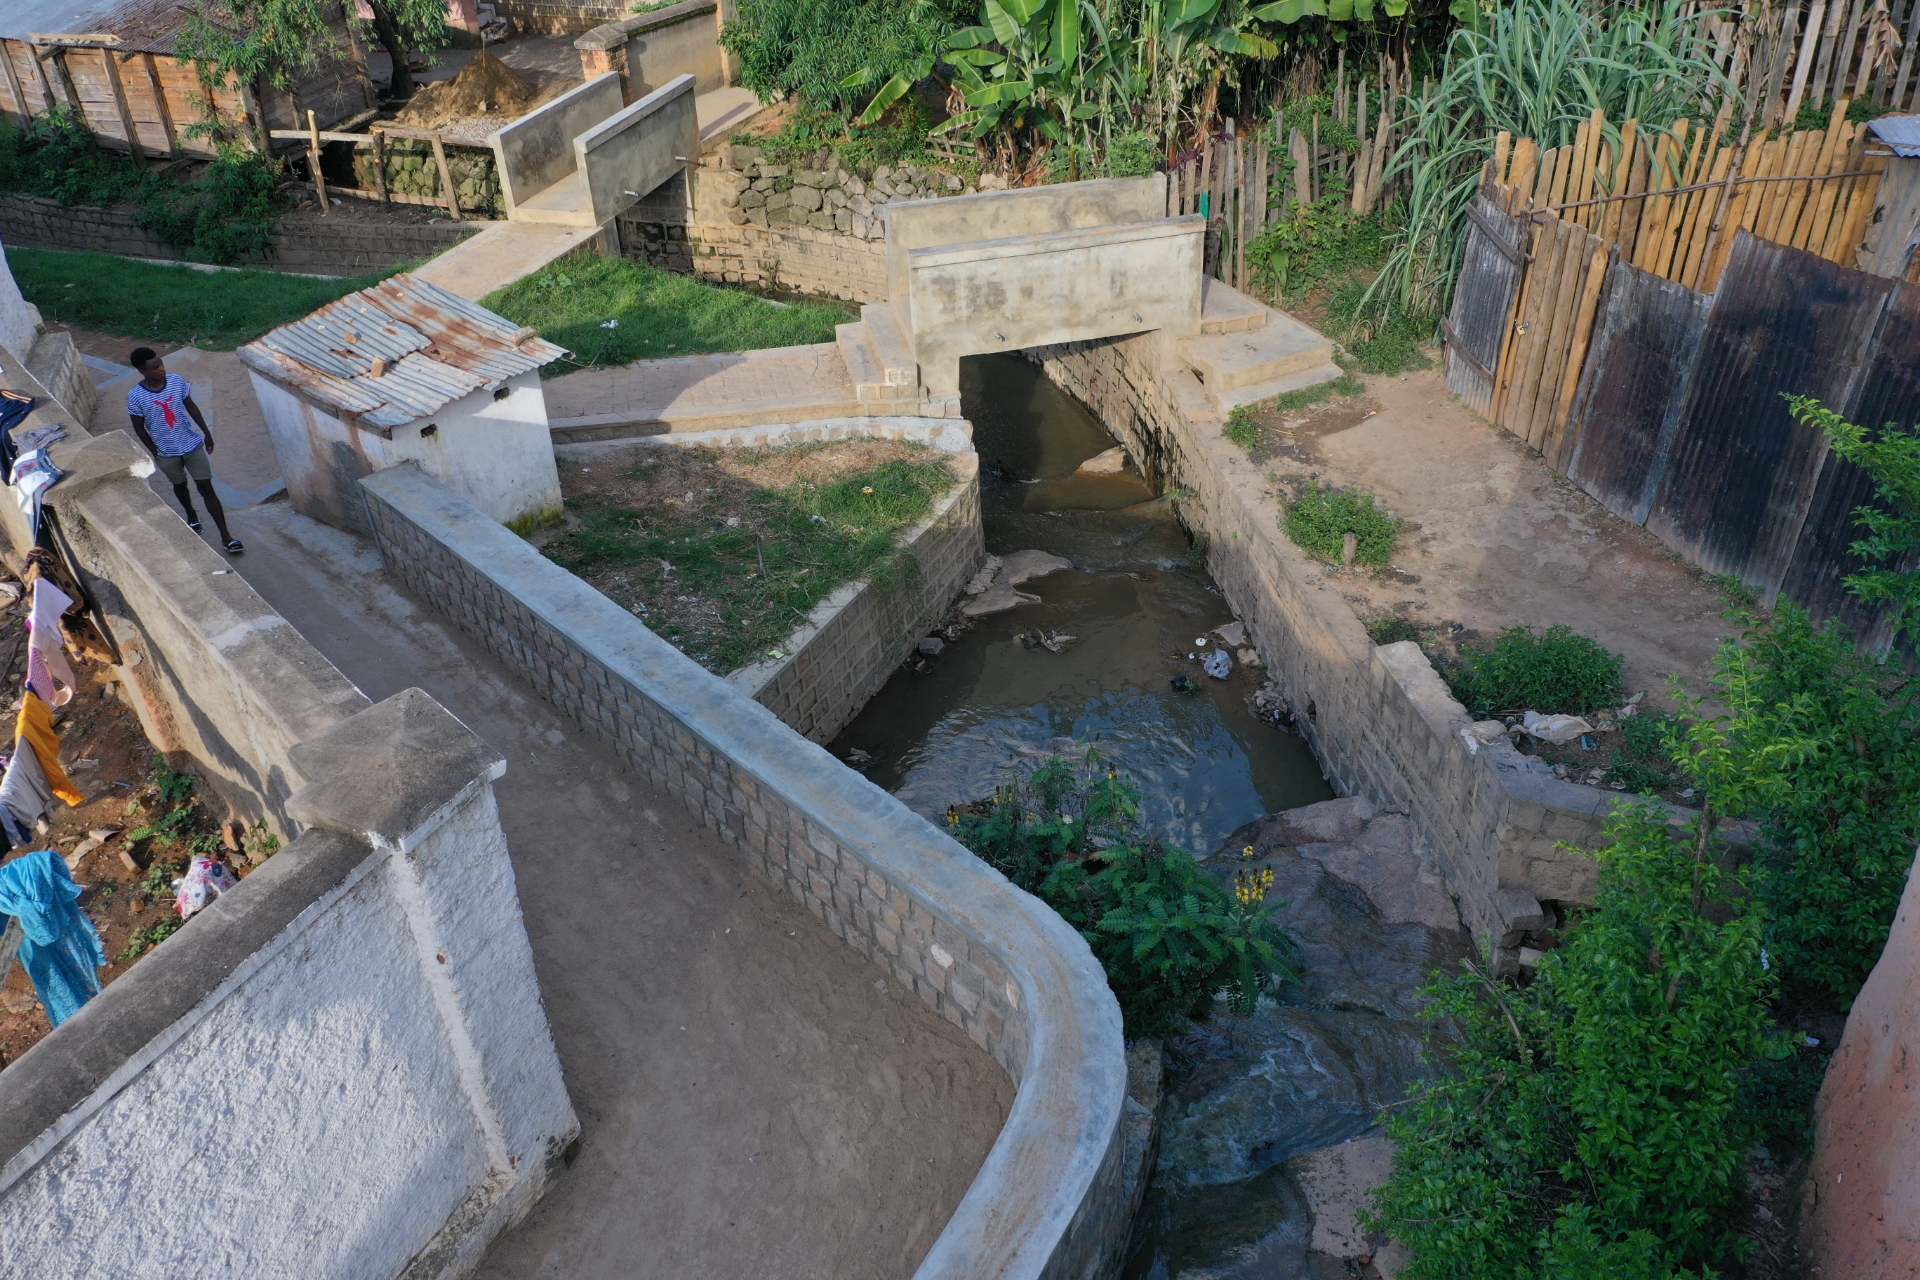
<point>1218,664</point>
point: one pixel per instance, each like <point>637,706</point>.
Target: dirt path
<point>1495,537</point>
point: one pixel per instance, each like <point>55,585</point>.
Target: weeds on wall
<point>222,216</point>
<point>729,587</point>
<point>1168,933</point>
<point>1320,517</point>
<point>1555,672</point>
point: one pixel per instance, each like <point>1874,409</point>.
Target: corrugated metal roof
<point>1902,133</point>
<point>437,347</point>
<point>141,24</point>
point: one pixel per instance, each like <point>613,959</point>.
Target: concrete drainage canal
<point>1268,1138</point>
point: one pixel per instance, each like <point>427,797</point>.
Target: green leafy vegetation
<point>141,941</point>
<point>1319,518</point>
<point>1391,628</point>
<point>1555,672</point>
<point>222,216</point>
<point>1592,1122</point>
<point>652,313</point>
<point>1168,934</point>
<point>245,40</point>
<point>1891,456</point>
<point>1243,422</point>
<point>811,50</point>
<point>1641,762</point>
<point>730,594</point>
<point>219,310</point>
<point>1318,244</point>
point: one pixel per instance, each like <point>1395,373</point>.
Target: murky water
<point>1137,602</point>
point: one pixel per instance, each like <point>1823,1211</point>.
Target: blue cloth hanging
<point>61,952</point>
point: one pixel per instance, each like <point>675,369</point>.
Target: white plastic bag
<point>206,879</point>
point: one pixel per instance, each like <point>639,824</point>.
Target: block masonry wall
<point>298,242</point>
<point>1050,1200</point>
<point>1380,719</point>
<point>858,636</point>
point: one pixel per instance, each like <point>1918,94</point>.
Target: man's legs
<point>214,509</point>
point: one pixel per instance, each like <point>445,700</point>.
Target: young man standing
<point>165,417</point>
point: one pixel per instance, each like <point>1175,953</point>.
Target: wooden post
<point>446,177</point>
<point>1810,40</point>
<point>40,69</point>
<point>112,69</point>
<point>380,164</point>
<point>313,158</point>
<point>13,81</point>
<point>66,87</point>
<point>160,104</point>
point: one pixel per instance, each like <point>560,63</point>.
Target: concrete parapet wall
<point>1380,720</point>
<point>1048,288</point>
<point>1049,1200</point>
<point>649,49</point>
<point>536,151</point>
<point>349,1046</point>
<point>638,149</point>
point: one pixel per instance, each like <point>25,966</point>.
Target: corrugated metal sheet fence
<point>1680,421</point>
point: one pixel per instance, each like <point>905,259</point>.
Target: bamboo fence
<point>1668,204</point>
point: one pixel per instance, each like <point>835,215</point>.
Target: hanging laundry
<point>14,408</point>
<point>40,437</point>
<point>82,637</point>
<point>60,949</point>
<point>31,477</point>
<point>35,728</point>
<point>25,795</point>
<point>49,602</point>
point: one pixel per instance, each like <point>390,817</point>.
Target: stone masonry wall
<point>806,229</point>
<point>303,241</point>
<point>1049,1200</point>
<point>1380,720</point>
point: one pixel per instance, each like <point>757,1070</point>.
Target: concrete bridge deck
<point>754,1099</point>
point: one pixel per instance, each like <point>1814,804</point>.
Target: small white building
<point>408,372</point>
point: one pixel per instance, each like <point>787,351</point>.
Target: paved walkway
<point>650,389</point>
<point>755,1100</point>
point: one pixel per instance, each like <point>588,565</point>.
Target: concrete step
<point>1227,310</point>
<point>863,366</point>
<point>1246,357</point>
<point>1232,398</point>
<point>890,345</point>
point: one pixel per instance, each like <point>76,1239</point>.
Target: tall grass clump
<point>1536,69</point>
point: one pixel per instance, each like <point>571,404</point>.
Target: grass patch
<point>1243,423</point>
<point>727,571</point>
<point>1320,517</point>
<point>1376,339</point>
<point>1391,628</point>
<point>214,309</point>
<point>1556,672</point>
<point>607,311</point>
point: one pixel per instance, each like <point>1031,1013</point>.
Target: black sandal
<point>194,525</point>
<point>234,547</point>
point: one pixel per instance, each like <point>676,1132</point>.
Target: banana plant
<point>1288,12</point>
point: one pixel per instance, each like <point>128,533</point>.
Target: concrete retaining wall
<point>653,48</point>
<point>1380,720</point>
<point>1049,1201</point>
<point>339,1069</point>
<point>557,17</point>
<point>304,242</point>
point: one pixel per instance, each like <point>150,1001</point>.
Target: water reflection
<point>1137,604</point>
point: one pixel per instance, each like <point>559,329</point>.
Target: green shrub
<point>1318,243</point>
<point>1167,933</point>
<point>1556,672</point>
<point>1389,628</point>
<point>1641,762</point>
<point>1243,428</point>
<point>1591,1124</point>
<point>1320,517</point>
<point>809,49</point>
<point>1378,339</point>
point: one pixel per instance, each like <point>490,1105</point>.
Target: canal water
<point>1137,599</point>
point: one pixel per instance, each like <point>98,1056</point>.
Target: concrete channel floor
<point>755,1100</point>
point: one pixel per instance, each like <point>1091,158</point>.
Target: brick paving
<point>653,388</point>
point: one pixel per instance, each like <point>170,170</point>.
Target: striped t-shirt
<point>165,410</point>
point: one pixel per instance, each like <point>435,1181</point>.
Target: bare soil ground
<point>1493,538</point>
<point>105,752</point>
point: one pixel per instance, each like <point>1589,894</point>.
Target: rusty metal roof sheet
<point>433,346</point>
<point>149,25</point>
<point>1901,133</point>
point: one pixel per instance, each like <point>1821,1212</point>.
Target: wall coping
<point>627,117</point>
<point>57,1085</point>
<point>612,35</point>
<point>1052,241</point>
<point>1044,1171</point>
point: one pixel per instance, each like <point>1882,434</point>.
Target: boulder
<point>1111,462</point>
<point>1022,566</point>
<point>997,598</point>
<point>1338,1182</point>
<point>1382,862</point>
